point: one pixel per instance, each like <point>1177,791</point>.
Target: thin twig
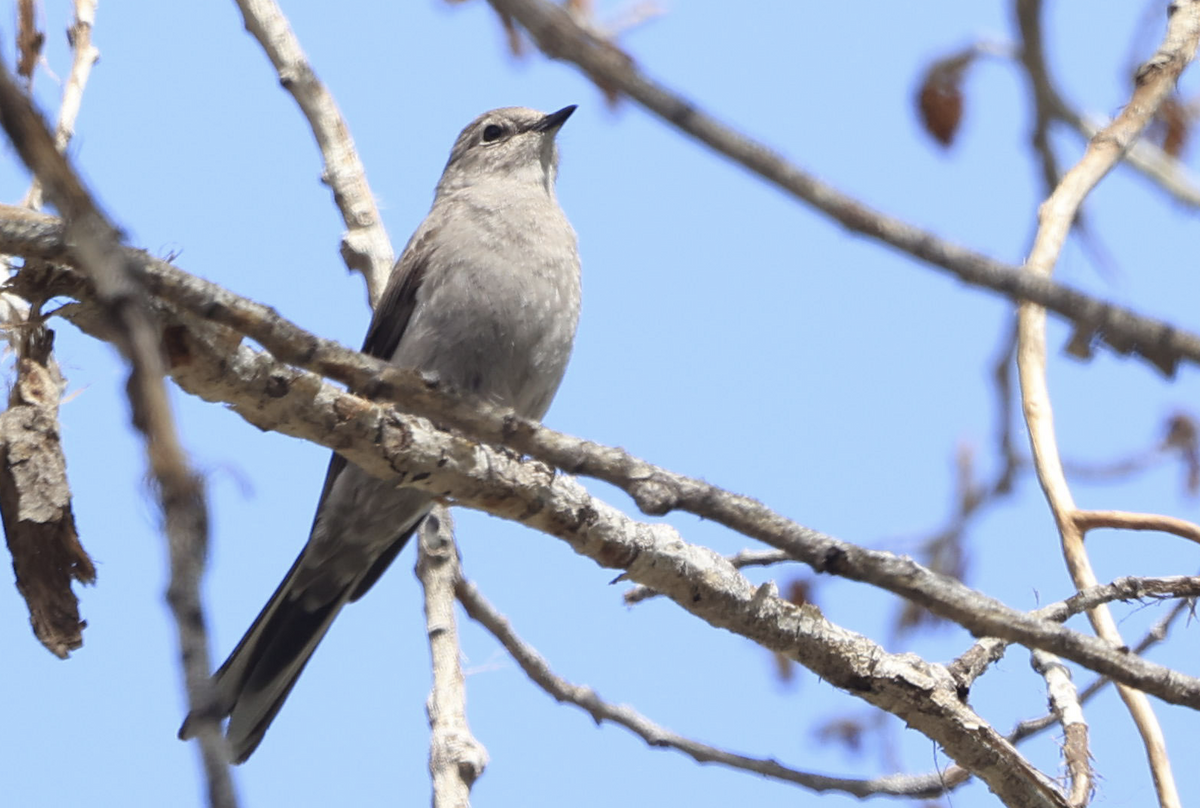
<point>84,57</point>
<point>987,651</point>
<point>456,758</point>
<point>96,246</point>
<point>365,244</point>
<point>1155,80</point>
<point>1127,520</point>
<point>973,662</point>
<point>1156,635</point>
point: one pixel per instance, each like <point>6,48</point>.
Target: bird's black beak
<point>554,120</point>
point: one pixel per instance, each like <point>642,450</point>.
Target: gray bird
<point>485,297</point>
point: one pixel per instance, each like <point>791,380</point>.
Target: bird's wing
<point>388,325</point>
<point>395,308</point>
<point>389,322</point>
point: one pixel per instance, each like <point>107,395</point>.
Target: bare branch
<point>560,37</point>
<point>1126,520</point>
<point>538,670</point>
<point>96,246</point>
<point>1168,172</point>
<point>1155,80</point>
<point>971,664</point>
<point>84,57</point>
<point>1064,703</point>
<point>456,758</point>
<point>365,244</point>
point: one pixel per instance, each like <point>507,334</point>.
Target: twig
<point>560,37</point>
<point>365,244</point>
<point>275,397</point>
<point>1168,172</point>
<point>96,246</point>
<point>456,758</point>
<point>1155,80</point>
<point>1064,704</point>
<point>1046,101</point>
<point>1156,634</point>
<point>972,663</point>
<point>538,670</point>
<point>1032,726</point>
<point>1126,520</point>
<point>85,56</point>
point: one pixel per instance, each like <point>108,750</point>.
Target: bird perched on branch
<point>485,298</point>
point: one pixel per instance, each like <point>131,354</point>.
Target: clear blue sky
<point>727,333</point>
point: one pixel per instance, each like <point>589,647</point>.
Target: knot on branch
<point>654,496</point>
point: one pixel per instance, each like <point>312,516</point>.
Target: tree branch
<point>538,670</point>
<point>1155,80</point>
<point>409,450</point>
<point>365,244</point>
<point>95,245</point>
<point>1064,703</point>
<point>560,37</point>
<point>1126,520</point>
<point>84,56</point>
<point>456,758</point>
<point>209,363</point>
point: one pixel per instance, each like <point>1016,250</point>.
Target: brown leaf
<point>940,97</point>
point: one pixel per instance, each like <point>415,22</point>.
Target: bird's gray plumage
<point>485,297</point>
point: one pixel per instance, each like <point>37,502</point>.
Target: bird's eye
<point>492,132</point>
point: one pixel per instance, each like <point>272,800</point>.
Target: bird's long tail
<point>252,685</point>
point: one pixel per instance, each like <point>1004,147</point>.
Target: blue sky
<point>727,332</point>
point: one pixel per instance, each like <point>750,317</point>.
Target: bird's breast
<point>498,308</point>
